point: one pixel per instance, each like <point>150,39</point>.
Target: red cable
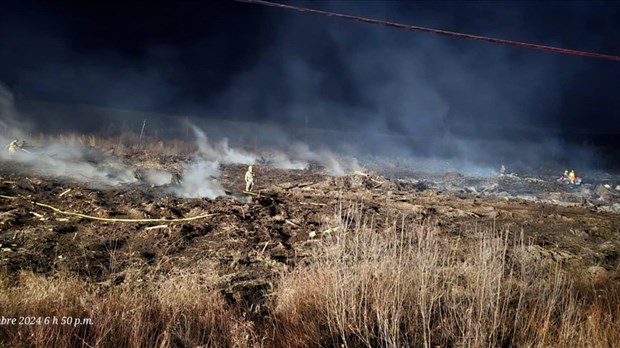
<point>435,31</point>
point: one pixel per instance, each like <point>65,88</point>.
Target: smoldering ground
<point>199,178</point>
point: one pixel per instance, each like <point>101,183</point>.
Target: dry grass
<point>122,144</point>
<point>181,311</point>
<point>401,286</point>
<point>411,287</point>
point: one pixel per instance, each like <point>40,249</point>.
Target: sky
<point>239,61</point>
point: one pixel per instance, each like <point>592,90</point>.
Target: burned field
<point>275,222</point>
<point>242,245</point>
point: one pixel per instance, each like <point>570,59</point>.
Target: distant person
<point>249,179</point>
<point>13,146</point>
<point>571,177</point>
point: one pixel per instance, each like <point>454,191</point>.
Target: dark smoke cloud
<point>145,56</point>
<point>433,95</point>
<point>441,91</point>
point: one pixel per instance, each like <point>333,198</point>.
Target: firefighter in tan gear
<point>249,179</point>
<point>13,146</point>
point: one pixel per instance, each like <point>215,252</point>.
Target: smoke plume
<point>200,179</point>
<point>342,89</point>
<point>220,151</point>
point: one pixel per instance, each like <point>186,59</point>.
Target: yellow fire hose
<point>91,217</point>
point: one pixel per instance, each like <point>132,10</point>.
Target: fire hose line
<point>434,31</point>
<point>91,217</point>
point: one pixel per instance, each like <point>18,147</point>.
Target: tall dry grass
<point>183,310</point>
<point>409,286</point>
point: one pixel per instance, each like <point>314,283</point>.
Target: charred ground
<point>249,240</point>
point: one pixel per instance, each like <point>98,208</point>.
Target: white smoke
<point>71,162</point>
<point>334,165</point>
<point>53,159</point>
<point>156,177</point>
<point>221,152</point>
<point>282,161</point>
<point>200,179</point>
<point>92,166</point>
<point>9,124</point>
<point>296,157</point>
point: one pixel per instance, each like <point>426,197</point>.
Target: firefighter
<point>249,179</point>
<point>571,177</point>
<point>13,146</point>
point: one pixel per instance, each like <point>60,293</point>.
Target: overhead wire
<point>434,31</point>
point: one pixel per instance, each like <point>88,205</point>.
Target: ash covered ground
<point>250,239</point>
